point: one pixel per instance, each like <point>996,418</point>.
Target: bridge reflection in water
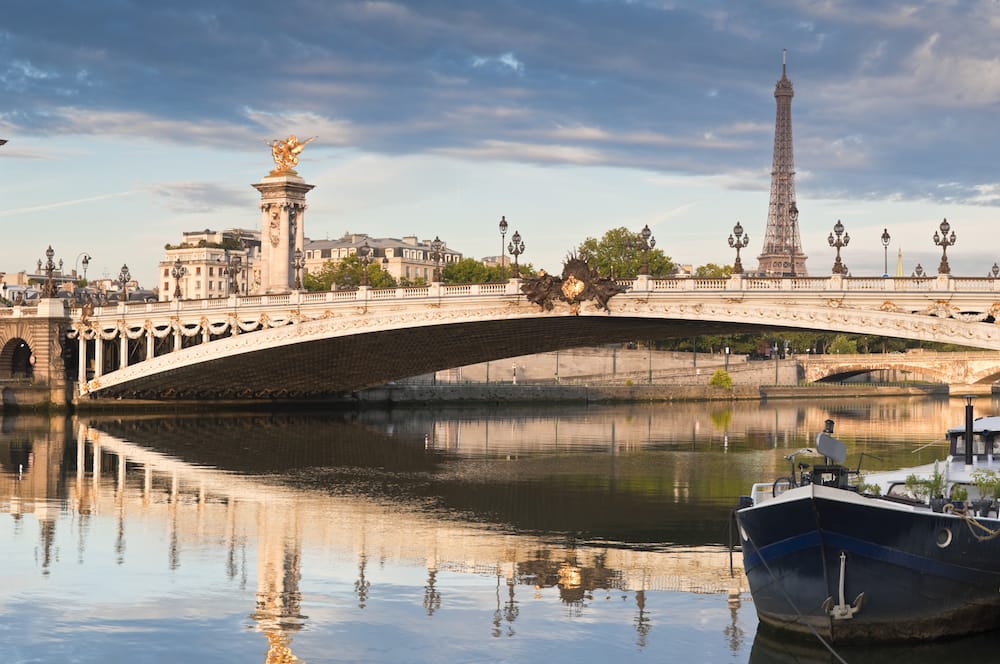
<point>324,516</point>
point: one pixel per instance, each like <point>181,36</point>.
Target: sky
<point>129,122</point>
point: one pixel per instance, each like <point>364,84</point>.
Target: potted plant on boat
<point>930,489</point>
<point>988,484</point>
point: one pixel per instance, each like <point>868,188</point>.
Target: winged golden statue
<point>286,153</point>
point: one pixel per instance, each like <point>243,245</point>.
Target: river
<point>466,534</point>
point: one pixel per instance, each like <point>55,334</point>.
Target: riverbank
<point>28,397</point>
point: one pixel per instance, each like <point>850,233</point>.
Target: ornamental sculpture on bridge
<point>578,284</point>
<point>286,154</point>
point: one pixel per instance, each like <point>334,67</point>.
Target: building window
<point>211,273</point>
<point>197,271</point>
<point>166,272</point>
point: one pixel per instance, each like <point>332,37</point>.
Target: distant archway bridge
<point>300,344</point>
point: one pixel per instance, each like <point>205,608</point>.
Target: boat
<point>833,552</point>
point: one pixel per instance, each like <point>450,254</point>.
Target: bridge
<point>302,344</point>
<point>973,372</point>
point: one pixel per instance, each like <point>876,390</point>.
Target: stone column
<point>81,363</point>
<point>123,355</point>
<point>98,354</point>
<point>282,205</point>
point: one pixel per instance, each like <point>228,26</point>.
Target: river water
<point>518,534</point>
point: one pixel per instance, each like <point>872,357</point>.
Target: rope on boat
<point>975,525</point>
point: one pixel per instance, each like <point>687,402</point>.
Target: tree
<point>619,254</point>
<point>470,271</point>
<point>347,274</point>
<point>713,271</point>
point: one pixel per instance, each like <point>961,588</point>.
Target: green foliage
<point>870,489</point>
<point>932,487</point>
<point>987,482</point>
<point>721,378</point>
<point>843,344</point>
<point>618,254</point>
<point>346,274</point>
<point>713,271</point>
<point>958,492</point>
<point>471,271</point>
<point>721,419</point>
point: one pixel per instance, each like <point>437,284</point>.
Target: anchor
<point>843,610</point>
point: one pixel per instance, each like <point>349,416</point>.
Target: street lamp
<point>838,230</point>
<point>793,215</point>
<point>503,235</point>
<point>436,246</point>
<point>298,262</point>
<point>177,271</point>
<point>49,289</point>
<point>515,248</point>
<point>364,252</point>
<point>885,247</point>
<point>86,263</point>
<point>123,278</point>
<point>235,269</point>
<point>774,350</point>
<point>648,242</point>
<point>944,241</point>
<point>739,242</point>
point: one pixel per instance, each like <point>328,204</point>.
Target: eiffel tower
<point>782,252</point>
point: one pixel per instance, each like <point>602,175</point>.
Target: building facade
<point>211,264</point>
<point>406,259</point>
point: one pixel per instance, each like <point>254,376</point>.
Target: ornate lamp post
<point>436,246</point>
<point>793,215</point>
<point>123,278</point>
<point>838,242</point>
<point>739,242</point>
<point>503,235</point>
<point>364,251</point>
<point>235,269</point>
<point>944,241</point>
<point>86,263</point>
<point>515,248</point>
<point>648,242</point>
<point>885,247</point>
<point>49,290</point>
<point>298,262</point>
<point>177,272</point>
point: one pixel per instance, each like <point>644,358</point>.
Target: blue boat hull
<point>922,574</point>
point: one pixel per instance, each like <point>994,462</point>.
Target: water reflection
<point>411,526</point>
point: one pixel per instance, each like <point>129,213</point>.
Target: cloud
<point>200,197</point>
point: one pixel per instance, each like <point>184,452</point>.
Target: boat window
<point>958,445</point>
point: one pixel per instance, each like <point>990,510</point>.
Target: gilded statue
<point>286,153</point>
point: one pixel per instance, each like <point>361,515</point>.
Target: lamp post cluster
<point>365,254</point>
<point>740,241</point>
<point>177,272</point>
<point>944,241</point>
<point>841,240</point>
<point>298,263</point>
<point>49,289</point>
<point>648,242</point>
<point>124,276</point>
<point>515,248</point>
<point>436,252</point>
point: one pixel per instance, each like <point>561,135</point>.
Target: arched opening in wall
<point>17,360</point>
